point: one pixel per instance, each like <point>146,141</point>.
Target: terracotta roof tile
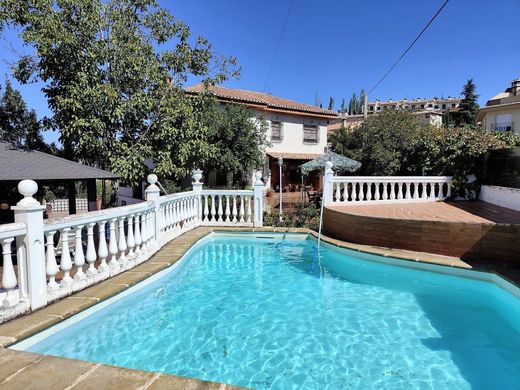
<point>264,99</point>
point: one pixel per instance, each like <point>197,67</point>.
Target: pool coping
<point>23,327</point>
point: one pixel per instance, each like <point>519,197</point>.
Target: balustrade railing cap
<point>28,188</point>
<point>152,179</point>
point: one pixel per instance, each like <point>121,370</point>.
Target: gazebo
<point>19,164</point>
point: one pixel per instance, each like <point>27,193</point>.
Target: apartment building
<point>502,111</point>
<point>442,105</point>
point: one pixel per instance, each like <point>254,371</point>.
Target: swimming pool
<point>267,312</point>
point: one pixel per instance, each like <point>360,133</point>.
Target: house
<point>297,132</point>
<point>502,112</point>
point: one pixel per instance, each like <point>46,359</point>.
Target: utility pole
<point>365,105</point>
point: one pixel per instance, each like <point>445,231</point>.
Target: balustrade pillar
<point>32,266</point>
<point>51,266</point>
<point>112,246</point>
<point>153,193</point>
<point>66,262</point>
<point>258,207</point>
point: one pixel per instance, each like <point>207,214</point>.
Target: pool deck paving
<point>24,370</point>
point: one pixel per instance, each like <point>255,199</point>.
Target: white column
<point>130,236</point>
<point>153,193</point>
<point>197,188</point>
<point>327,184</point>
<point>258,200</point>
<point>32,267</point>
<point>121,242</point>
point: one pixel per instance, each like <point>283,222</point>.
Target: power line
<point>278,46</point>
<point>409,47</point>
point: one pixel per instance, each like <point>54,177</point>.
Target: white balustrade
<point>60,256</point>
<point>377,189</point>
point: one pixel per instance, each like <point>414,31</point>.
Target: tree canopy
<point>468,106</point>
<point>18,124</point>
<point>113,73</point>
<point>395,142</point>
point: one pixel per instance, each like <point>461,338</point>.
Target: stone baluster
<point>385,191</point>
<point>432,191</point>
<point>8,275</point>
<point>415,190</point>
<point>377,193</point>
<point>369,191</point>
<point>220,217</point>
<point>102,247</point>
<point>337,192</point>
<point>448,190</point>
<point>137,232</point>
<point>122,241</point>
<point>248,209</point>
<point>400,190</point>
<point>90,256</point>
<point>408,194</point>
<point>206,208</point>
<point>392,191</point>
<point>424,194</point>
<point>112,246</point>
<point>234,205</point>
<point>79,257</point>
<point>51,265</point>
<point>66,262</point>
<point>227,214</point>
<point>130,240</point>
<point>242,210</point>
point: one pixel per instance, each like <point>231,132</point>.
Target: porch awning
<point>340,163</point>
<point>294,156</point>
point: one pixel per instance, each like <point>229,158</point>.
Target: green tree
<point>353,105</point>
<point>361,102</point>
<point>385,144</point>
<point>331,103</point>
<point>468,106</point>
<point>237,140</point>
<point>18,124</point>
<point>113,73</point>
<point>343,107</point>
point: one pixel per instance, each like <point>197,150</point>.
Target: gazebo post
<point>72,196</point>
<point>91,194</point>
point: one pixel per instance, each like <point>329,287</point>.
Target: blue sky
<point>335,48</point>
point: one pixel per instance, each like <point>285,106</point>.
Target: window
<point>436,107</point>
<point>413,106</point>
<point>310,133</point>
<point>422,106</point>
<point>452,105</point>
<point>371,108</point>
<point>430,105</point>
<point>378,108</point>
<point>276,131</point>
<point>444,106</point>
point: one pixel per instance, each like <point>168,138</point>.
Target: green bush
<point>307,216</point>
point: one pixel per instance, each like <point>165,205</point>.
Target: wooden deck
<point>477,232</point>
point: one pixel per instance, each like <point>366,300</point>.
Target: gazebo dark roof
<point>18,164</point>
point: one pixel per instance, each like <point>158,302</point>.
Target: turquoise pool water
<point>268,313</point>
